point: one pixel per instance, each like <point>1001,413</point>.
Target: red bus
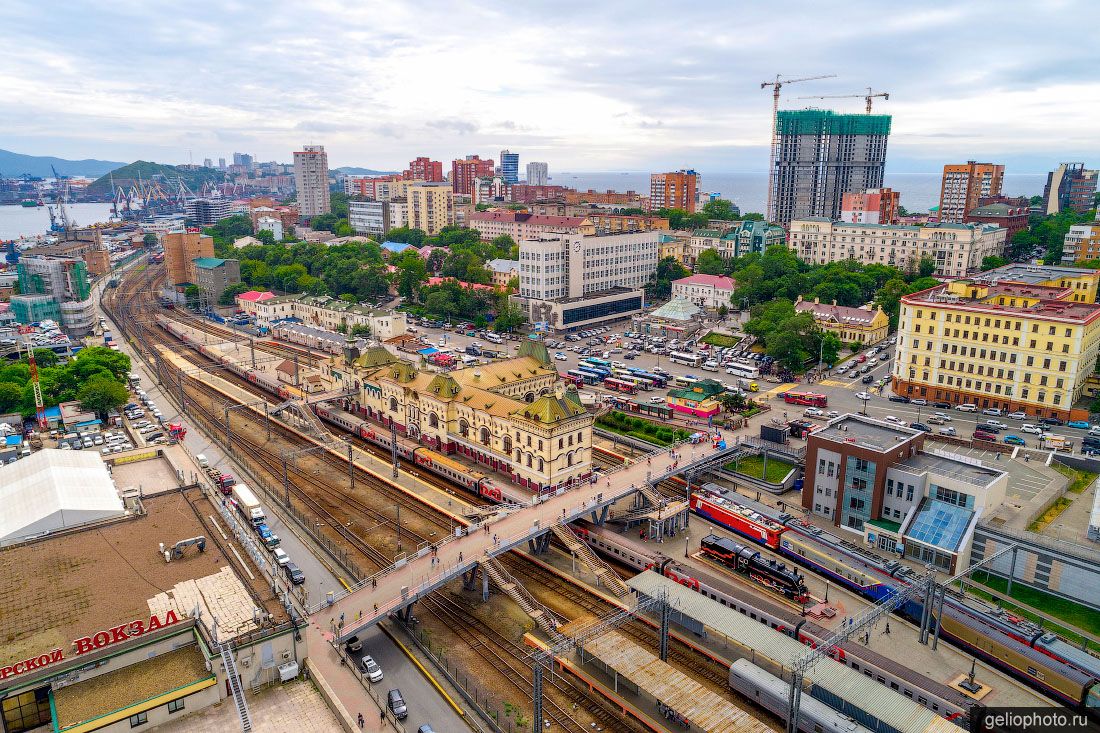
<point>812,399</point>
<point>618,385</point>
<point>576,381</point>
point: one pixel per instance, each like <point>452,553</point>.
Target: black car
<point>868,379</point>
<point>898,398</point>
<point>920,426</point>
<point>294,573</point>
<point>629,355</point>
<point>1052,421</point>
<point>942,405</point>
<point>396,704</point>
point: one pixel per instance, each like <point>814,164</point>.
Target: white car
<point>813,412</point>
<point>994,423</point>
<point>896,421</point>
<point>281,558</point>
<point>1029,428</point>
<point>371,669</point>
<point>948,431</point>
<point>863,395</point>
<point>560,356</point>
<point>1017,415</point>
<point>942,415</point>
<point>657,400</point>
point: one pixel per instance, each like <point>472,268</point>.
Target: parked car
<point>948,431</point>
<point>942,416</point>
<point>1052,421</point>
<point>281,558</point>
<point>935,420</point>
<point>899,398</point>
<point>984,435</point>
<point>919,401</point>
<point>1017,415</point>
<point>920,426</point>
<point>354,644</point>
<point>1014,440</point>
<point>895,420</point>
<point>863,395</point>
<point>294,573</point>
<point>994,424</point>
<point>967,407</point>
<point>994,411</point>
<point>1079,424</point>
<point>942,405</point>
<point>396,704</point>
<point>1033,429</point>
<point>370,669</point>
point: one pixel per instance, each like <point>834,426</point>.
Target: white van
<point>493,338</point>
<point>201,460</point>
<point>468,360</point>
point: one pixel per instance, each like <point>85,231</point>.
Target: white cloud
<point>586,86</point>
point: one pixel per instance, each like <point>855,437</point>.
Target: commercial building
<point>204,212</point>
<point>242,159</point>
<point>509,166</point>
<point>1012,217</point>
<point>706,291</point>
<point>608,223</point>
<point>110,651</point>
<point>673,190</point>
<point>820,156</point>
<point>1070,186</point>
<point>429,207</point>
<point>876,479</point>
<point>745,237</point>
<point>369,217</point>
<point>964,185</point>
<point>873,206</point>
<point>866,325</point>
<point>956,249</point>
<point>570,281</point>
<point>311,180</point>
<point>247,301</point>
<point>330,314</point>
<point>630,199</point>
<point>266,206</point>
<point>56,288</point>
<point>213,275</point>
<point>699,399</point>
<point>181,249</point>
<point>538,174</point>
<point>1018,338</point>
<point>424,169</point>
<point>1082,242</point>
<point>527,193</point>
<point>519,225</point>
<point>465,172</point>
<point>503,271</point>
<point>513,416</point>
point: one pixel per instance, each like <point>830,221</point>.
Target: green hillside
<point>147,171</point>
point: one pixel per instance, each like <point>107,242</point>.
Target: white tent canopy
<point>55,489</point>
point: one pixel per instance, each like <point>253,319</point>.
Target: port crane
<point>776,86</point>
<point>870,95</point>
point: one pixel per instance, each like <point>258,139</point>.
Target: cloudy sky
<point>585,85</point>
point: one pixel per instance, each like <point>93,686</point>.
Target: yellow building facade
<point>996,343</point>
<point>851,325</point>
<point>514,416</point>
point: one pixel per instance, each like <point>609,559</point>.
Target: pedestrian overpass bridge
<point>396,588</point>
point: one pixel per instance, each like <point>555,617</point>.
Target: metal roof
<point>877,700</point>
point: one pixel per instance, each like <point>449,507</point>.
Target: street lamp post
<point>864,399</point>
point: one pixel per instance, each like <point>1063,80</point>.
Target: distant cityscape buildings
<point>538,174</point>
<point>509,166</point>
<point>465,172</point>
<point>424,169</point>
<point>820,156</point>
<point>1070,187</point>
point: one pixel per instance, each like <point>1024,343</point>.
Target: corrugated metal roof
<point>875,698</point>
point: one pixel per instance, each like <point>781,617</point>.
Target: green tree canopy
<point>659,286</point>
<point>101,394</point>
<point>720,209</point>
<point>11,395</point>
<point>228,296</point>
<point>710,263</point>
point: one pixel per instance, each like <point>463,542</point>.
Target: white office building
<point>538,174</point>
<point>369,217</point>
<point>569,281</point>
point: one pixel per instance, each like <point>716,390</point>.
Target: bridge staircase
<point>604,573</point>
<point>542,615</point>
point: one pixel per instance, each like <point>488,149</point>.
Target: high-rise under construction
<point>820,156</point>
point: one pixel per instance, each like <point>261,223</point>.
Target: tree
<point>926,267</point>
<point>830,347</point>
<point>710,263</point>
<point>509,315</point>
<point>752,216</point>
<point>720,209</point>
<point>101,394</point>
<point>660,285</point>
<point>731,401</point>
<point>266,236</point>
<point>228,296</point>
<point>229,229</point>
<point>97,359</point>
<point>192,293</point>
<point>992,262</point>
<point>45,358</point>
<point>149,240</point>
<point>360,329</point>
<point>411,273</point>
<point>10,396</point>
<point>415,237</point>
<point>680,219</point>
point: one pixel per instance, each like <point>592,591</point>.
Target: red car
<point>984,435</point>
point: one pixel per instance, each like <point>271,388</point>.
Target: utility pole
<point>393,446</point>
<point>351,467</point>
<point>398,527</point>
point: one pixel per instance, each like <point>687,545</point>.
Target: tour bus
<point>618,385</point>
<point>596,361</point>
<point>684,381</point>
<point>745,371</point>
<point>692,360</point>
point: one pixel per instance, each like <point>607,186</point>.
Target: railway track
<point>508,658</point>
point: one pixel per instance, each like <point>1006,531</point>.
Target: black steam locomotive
<point>773,575</point>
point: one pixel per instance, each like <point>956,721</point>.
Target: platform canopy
<point>55,489</point>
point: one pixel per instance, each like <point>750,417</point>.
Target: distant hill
<point>16,164</point>
<point>147,171</point>
<point>355,171</point>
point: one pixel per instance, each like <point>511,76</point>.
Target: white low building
<point>706,291</point>
<point>55,489</point>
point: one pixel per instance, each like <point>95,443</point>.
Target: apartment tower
<point>509,166</point>
<point>311,179</point>
<point>964,185</point>
<point>424,169</point>
<point>673,190</point>
<point>464,173</point>
<point>820,156</point>
<point>538,174</point>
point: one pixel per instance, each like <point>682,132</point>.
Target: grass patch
<point>642,429</point>
<point>1049,515</point>
<point>777,470</point>
<point>1079,618</point>
<point>720,340</point>
<point>1078,480</point>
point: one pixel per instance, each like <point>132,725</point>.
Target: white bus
<point>746,371</point>
<point>679,357</point>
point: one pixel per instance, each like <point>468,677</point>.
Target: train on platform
<point>1012,643</point>
<point>622,549</point>
<point>474,481</point>
<point>748,561</point>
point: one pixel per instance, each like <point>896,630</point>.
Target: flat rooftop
<point>1049,305</point>
<point>972,473</point>
<point>864,432</point>
<point>1031,274</point>
<point>67,586</point>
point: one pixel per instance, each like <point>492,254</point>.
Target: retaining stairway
<point>542,615</point>
<point>235,686</point>
<point>605,575</point>
<point>303,412</point>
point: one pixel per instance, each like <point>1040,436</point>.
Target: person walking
<point>361,721</point>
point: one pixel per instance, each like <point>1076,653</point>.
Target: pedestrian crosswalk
<point>833,383</point>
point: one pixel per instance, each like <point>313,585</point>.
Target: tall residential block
<point>430,207</point>
<point>509,166</point>
<point>424,169</point>
<point>180,250</point>
<point>56,288</point>
<point>464,173</point>
<point>820,156</point>
<point>873,206</point>
<point>673,190</point>
<point>1017,338</point>
<point>964,185</point>
<point>311,180</point>
<point>538,174</point>
<point>572,280</point>
<point>1070,186</point>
